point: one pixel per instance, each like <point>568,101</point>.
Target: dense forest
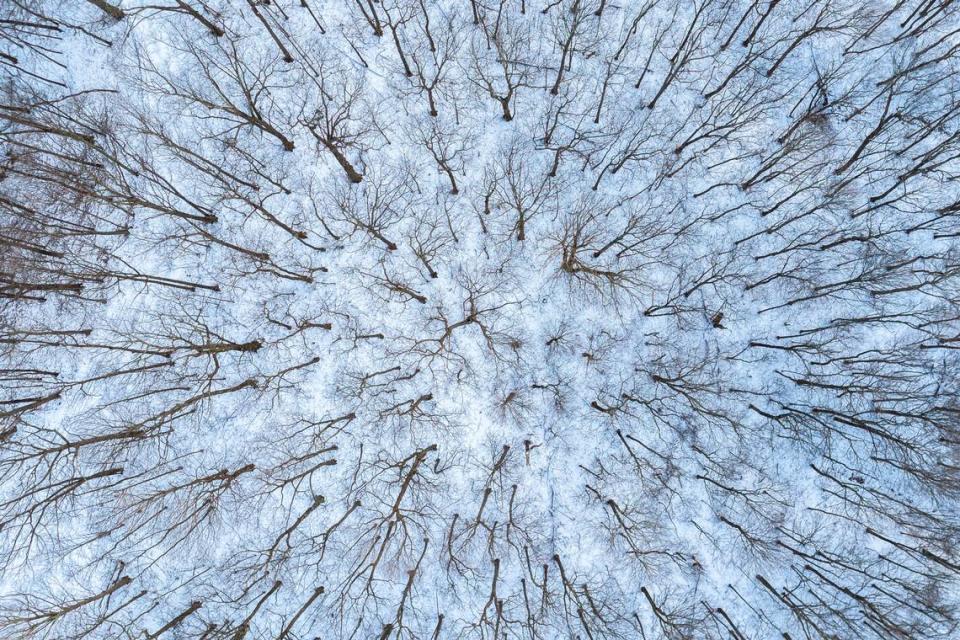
<point>479,319</point>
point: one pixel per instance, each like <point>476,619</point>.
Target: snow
<point>564,397</point>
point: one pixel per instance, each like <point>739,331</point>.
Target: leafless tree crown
<point>479,319</point>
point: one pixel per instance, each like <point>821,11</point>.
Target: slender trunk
<point>505,105</point>
<point>352,173</point>
<point>214,29</point>
<point>283,50</point>
<point>111,10</point>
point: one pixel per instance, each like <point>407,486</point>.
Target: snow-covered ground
<point>479,319</point>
